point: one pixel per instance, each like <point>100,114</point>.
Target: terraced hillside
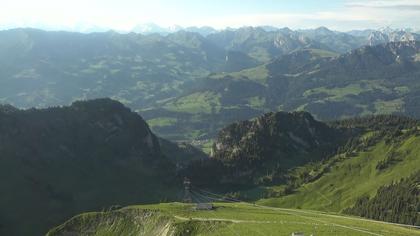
<point>226,219</point>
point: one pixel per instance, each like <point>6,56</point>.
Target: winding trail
<point>242,221</point>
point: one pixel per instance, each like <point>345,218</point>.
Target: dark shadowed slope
<point>57,162</point>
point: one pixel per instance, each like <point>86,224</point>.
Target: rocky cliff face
<point>389,35</point>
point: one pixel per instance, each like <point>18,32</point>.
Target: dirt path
<point>243,221</point>
<point>165,230</point>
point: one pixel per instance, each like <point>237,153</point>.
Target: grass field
<point>257,74</point>
<point>162,121</point>
<point>323,53</point>
<point>205,102</point>
<point>339,93</point>
<point>236,219</point>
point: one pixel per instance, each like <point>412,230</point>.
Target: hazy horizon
<point>176,28</point>
<point>124,15</point>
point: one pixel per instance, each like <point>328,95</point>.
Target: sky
<point>124,15</point>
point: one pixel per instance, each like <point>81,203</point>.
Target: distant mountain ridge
<point>151,28</point>
<point>339,41</point>
<point>374,36</point>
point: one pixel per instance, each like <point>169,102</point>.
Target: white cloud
<point>392,4</point>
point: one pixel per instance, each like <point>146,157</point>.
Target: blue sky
<point>125,14</point>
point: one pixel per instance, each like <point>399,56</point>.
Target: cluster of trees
<point>391,159</point>
<point>398,202</point>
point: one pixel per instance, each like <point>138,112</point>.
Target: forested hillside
<point>398,202</point>
<point>61,161</point>
<point>386,151</point>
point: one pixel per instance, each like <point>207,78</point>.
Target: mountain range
<point>189,85</point>
<point>381,35</point>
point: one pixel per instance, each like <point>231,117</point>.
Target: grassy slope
<point>257,74</point>
<point>322,53</point>
<point>203,103</point>
<point>353,178</point>
<point>231,219</point>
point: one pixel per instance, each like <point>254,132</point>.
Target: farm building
<point>298,234</point>
<point>204,206</point>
